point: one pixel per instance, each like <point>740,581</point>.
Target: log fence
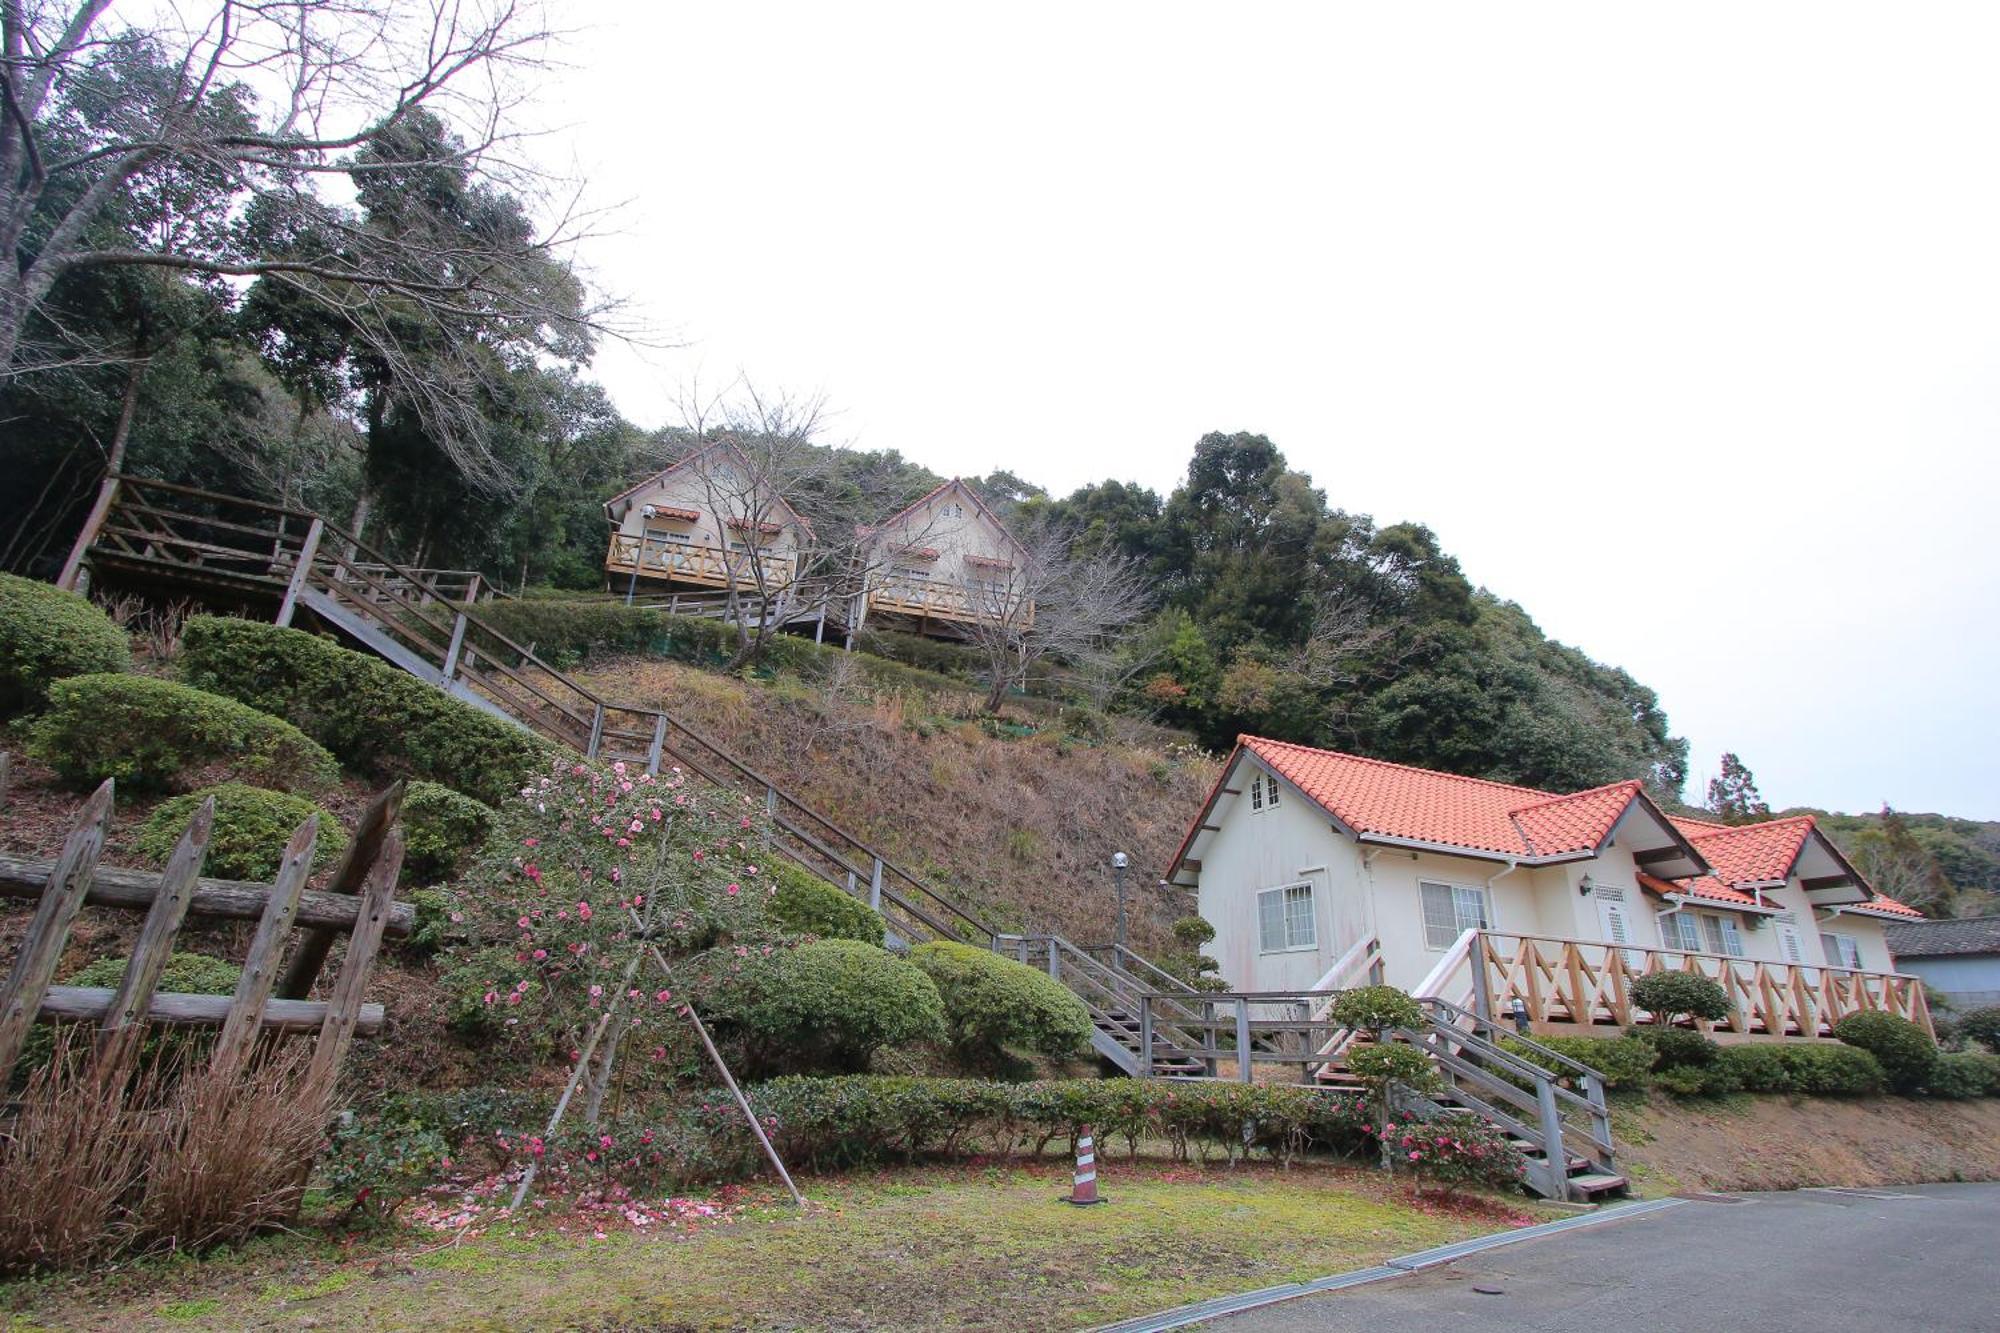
<point>358,902</point>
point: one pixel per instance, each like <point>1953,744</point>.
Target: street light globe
<point>1119,860</point>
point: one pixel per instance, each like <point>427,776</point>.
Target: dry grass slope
<point>1019,827</point>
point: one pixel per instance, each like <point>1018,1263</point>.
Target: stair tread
<point>1596,1181</point>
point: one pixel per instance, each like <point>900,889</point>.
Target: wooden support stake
<point>343,1007</point>
<point>72,568</point>
<point>260,965</point>
<point>41,949</point>
<point>562,1105</point>
<point>355,864</point>
<point>124,1023</point>
<point>6,776</point>
<point>301,572</point>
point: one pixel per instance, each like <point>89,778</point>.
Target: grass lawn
<point>930,1247</point>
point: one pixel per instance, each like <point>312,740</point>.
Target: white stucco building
<point>1321,870</point>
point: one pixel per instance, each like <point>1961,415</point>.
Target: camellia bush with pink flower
<point>586,868</point>
<point>1451,1150</point>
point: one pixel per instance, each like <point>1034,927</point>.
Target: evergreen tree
<point>1732,795</point>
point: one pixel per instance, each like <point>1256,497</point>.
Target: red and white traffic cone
<point>1085,1189</point>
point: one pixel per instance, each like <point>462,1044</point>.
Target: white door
<point>1618,927</point>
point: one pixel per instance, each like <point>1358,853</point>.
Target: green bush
<point>150,733</point>
<point>252,826</point>
<point>48,634</point>
<point>1691,1081</point>
<point>1672,996</point>
<point>567,631</point>
<point>1960,1074</point>
<point>1622,1062</point>
<point>1982,1026</point>
<point>1393,1062</point>
<point>809,905</point>
<point>934,655</point>
<point>375,1163</point>
<point>828,1123</point>
<point>826,1005</point>
<point>441,829</point>
<point>184,974</point>
<point>994,1006</point>
<point>1817,1069</point>
<point>1906,1051</point>
<point>1372,1008</point>
<point>376,718</point>
<point>1676,1048</point>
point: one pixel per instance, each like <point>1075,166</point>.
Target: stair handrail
<point>1159,976</point>
<point>1443,1020</point>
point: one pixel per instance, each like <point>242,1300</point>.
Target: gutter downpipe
<point>1482,1001</point>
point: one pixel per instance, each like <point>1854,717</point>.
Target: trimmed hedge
<point>1964,1074</point>
<point>1670,996</point>
<point>994,1006</point>
<point>252,826</point>
<point>1982,1026</point>
<point>825,1005</point>
<point>150,734</point>
<point>375,718</point>
<point>1376,1007</point>
<point>809,905</point>
<point>441,829</point>
<point>49,634</point>
<point>1808,1068</point>
<point>1907,1053</point>
<point>1622,1062</point>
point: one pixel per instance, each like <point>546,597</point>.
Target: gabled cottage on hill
<point>708,522</point>
<point>942,565</point>
<point>1321,870</point>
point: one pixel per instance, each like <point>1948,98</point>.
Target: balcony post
<point>1242,1040</point>
<point>1145,1036</point>
<point>1482,996</point>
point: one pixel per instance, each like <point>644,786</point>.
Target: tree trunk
<point>127,410</point>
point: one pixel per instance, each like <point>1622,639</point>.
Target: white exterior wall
<point>685,489</point>
<point>1267,849</point>
<point>971,533</point>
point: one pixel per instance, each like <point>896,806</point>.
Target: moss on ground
<point>960,1248</point>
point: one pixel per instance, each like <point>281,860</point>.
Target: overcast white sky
<point>1680,325</point>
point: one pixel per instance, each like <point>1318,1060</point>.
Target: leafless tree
<point>1342,634</point>
<point>260,100</point>
<point>1055,603</point>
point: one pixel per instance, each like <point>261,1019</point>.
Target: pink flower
<point>583,911</point>
<point>735,889</point>
<point>513,997</point>
<point>522,923</point>
<point>540,954</point>
<point>663,996</point>
<point>596,991</point>
<point>531,842</point>
<point>532,871</point>
<point>604,1140</point>
<point>491,996</point>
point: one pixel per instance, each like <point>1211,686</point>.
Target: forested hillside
<point>1941,865</point>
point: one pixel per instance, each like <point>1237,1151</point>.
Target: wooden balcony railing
<point>692,562</point>
<point>1568,984</point>
<point>939,599</point>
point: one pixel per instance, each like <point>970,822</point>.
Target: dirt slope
<point>1021,826</point>
<point>1744,1142</point>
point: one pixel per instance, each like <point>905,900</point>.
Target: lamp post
<point>1119,861</point>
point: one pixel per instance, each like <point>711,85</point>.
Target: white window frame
<point>1263,790</point>
<point>1287,897</point>
<point>1672,934</point>
<point>1844,947</point>
<point>1479,895</point>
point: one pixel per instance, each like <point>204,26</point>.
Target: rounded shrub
<point>158,734</point>
<point>375,718</point>
<point>1907,1053</point>
<point>805,903</point>
<point>825,1005</point>
<point>1814,1069</point>
<point>1964,1074</point>
<point>1672,996</point>
<point>1621,1062</point>
<point>1372,1008</point>
<point>994,1006</point>
<point>49,634</point>
<point>1982,1026</point>
<point>1676,1048</point>
<point>1393,1062</point>
<point>441,828</point>
<point>252,826</point>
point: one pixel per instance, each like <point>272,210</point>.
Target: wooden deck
<point>691,563</point>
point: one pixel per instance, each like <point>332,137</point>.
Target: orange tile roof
<point>1882,902</point>
<point>1701,886</point>
<point>1749,853</point>
<point>1422,805</point>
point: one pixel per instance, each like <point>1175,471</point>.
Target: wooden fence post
<point>354,867</point>
<point>301,572</point>
<point>343,1007</point>
<point>41,949</point>
<point>124,1021</point>
<point>1242,1039</point>
<point>260,965</point>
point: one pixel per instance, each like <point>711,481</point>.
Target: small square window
<point>1285,919</point>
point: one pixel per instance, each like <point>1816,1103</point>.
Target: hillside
<point>1945,865</point>
<point>1016,816</point>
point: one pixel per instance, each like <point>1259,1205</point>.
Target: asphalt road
<point>1815,1261</point>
